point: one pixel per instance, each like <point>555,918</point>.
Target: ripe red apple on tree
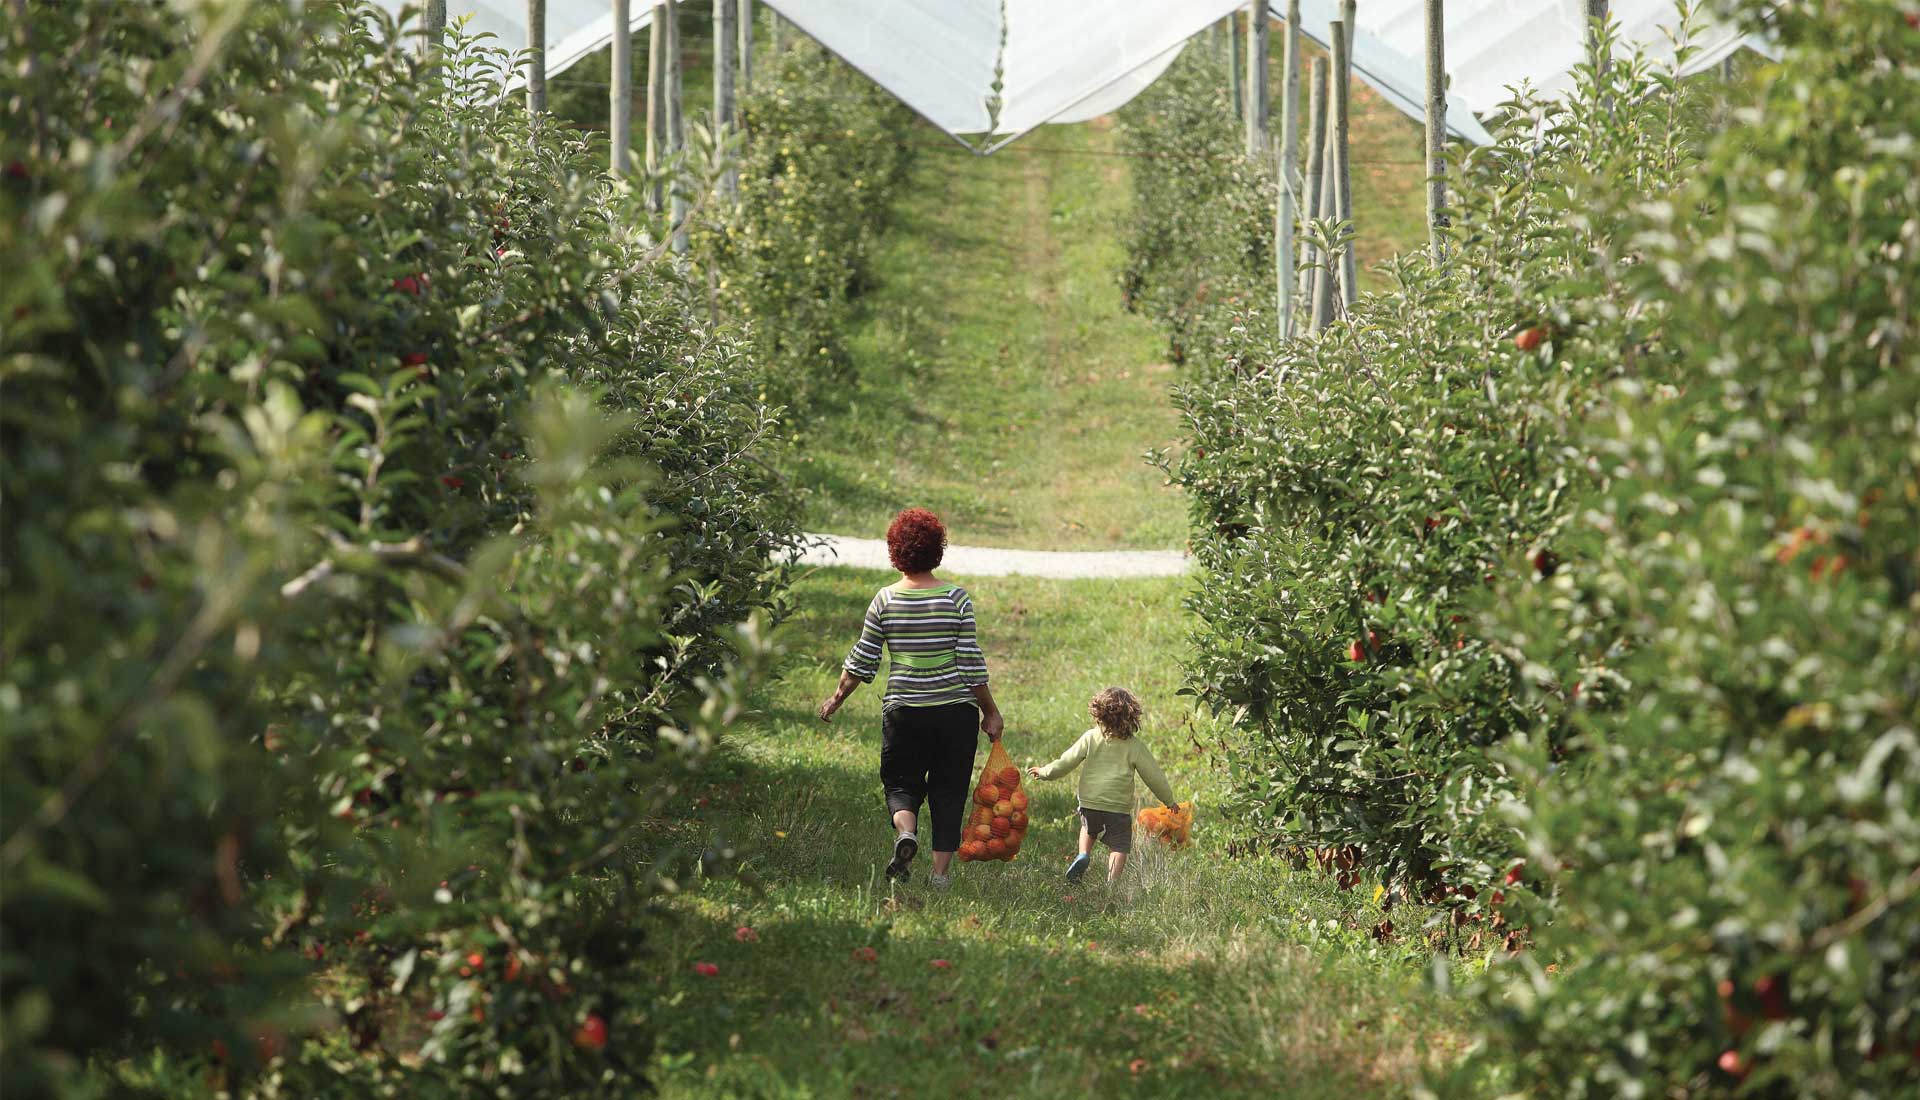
<point>1529,338</point>
<point>1545,562</point>
<point>591,1034</point>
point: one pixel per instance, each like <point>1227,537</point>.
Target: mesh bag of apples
<point>1172,824</point>
<point>999,821</point>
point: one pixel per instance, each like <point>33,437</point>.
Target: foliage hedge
<point>1573,582</point>
<point>1199,238</point>
<point>825,154</point>
<point>378,510</point>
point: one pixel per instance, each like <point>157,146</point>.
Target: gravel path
<point>983,561</point>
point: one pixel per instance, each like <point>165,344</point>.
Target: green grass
<point>1222,976</point>
<point>998,380</point>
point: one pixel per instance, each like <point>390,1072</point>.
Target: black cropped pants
<point>926,753</point>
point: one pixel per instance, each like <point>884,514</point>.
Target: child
<point>1112,755</point>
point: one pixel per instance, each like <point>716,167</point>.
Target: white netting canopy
<point>1492,45</point>
<point>575,28</point>
<point>985,68</point>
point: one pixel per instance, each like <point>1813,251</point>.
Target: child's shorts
<point>1109,828</point>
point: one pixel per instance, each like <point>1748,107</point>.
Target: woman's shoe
<point>904,850</point>
<point>1078,867</point>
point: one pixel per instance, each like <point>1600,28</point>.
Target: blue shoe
<point>1078,867</point>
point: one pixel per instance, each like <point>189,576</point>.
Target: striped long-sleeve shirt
<point>934,658</point>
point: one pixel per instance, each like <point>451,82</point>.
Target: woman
<point>937,702</point>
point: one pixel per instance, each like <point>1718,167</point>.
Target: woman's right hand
<point>992,725</point>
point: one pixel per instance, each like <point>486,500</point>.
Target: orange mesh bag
<point>998,822</point>
<point>1173,825</point>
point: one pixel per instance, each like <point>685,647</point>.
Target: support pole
<point>1326,280</point>
<point>1289,210</point>
<point>1315,176</point>
<point>1235,53</point>
<point>656,103</point>
<point>1596,36</point>
<point>725,111</point>
<point>537,58</point>
<point>676,129</point>
<point>746,46</point>
<point>620,95</point>
<point>1343,167</point>
<point>1257,98</point>
<point>1436,129</point>
<point>433,26</point>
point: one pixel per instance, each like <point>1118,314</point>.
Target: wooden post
<point>433,26</point>
<point>1316,171</point>
<point>656,103</point>
<point>620,96</point>
<point>1257,98</point>
<point>1596,36</point>
<point>726,112</point>
<point>1343,168</point>
<point>1289,158</point>
<point>1436,129</point>
<point>676,129</point>
<point>537,58</point>
<point>1235,52</point>
<point>746,46</point>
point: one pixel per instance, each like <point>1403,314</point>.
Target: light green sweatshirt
<point>1107,782</point>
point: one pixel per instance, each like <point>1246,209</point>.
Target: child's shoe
<point>903,852</point>
<point>1078,867</point>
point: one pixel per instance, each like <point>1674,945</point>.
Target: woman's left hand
<point>992,725</point>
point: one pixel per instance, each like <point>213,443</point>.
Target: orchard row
<point>1571,581</point>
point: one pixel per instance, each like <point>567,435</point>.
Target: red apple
<point>706,969</point>
<point>1529,338</point>
<point>1545,562</point>
<point>1732,1064</point>
<point>592,1033</point>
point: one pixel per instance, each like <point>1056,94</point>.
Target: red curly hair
<point>916,541</point>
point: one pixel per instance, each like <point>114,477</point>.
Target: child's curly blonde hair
<point>1117,713</point>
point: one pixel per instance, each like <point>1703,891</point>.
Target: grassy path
<point>1198,975</point>
<point>999,382</point>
